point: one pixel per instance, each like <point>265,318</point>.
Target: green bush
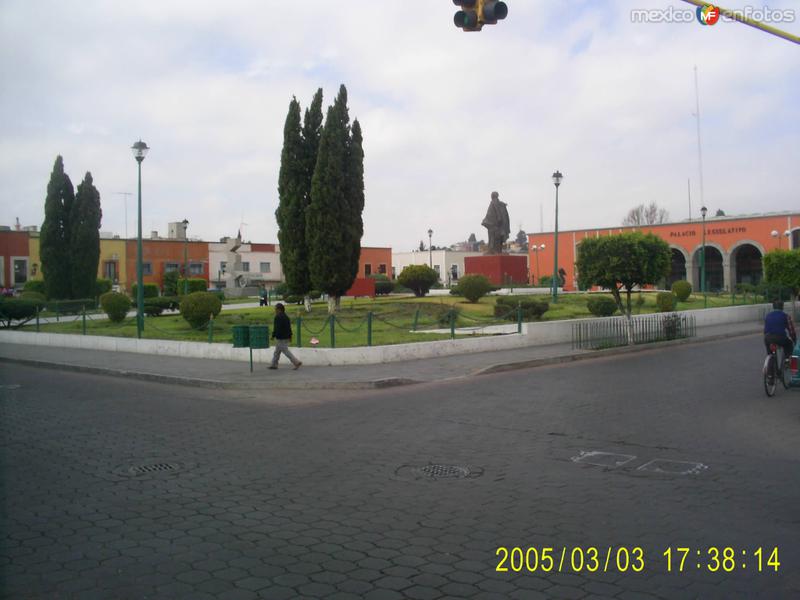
<point>16,309</point>
<point>169,283</point>
<point>150,290</point>
<point>473,287</point>
<point>601,306</point>
<point>153,307</point>
<point>281,289</point>
<point>545,281</point>
<point>36,285</point>
<point>197,308</point>
<point>36,297</point>
<point>383,286</point>
<point>196,284</point>
<point>532,308</point>
<point>682,290</point>
<point>71,307</point>
<point>666,301</point>
<point>418,278</point>
<point>102,286</point>
<point>115,305</point>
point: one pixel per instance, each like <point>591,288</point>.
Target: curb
<point>591,354</point>
<point>376,384</point>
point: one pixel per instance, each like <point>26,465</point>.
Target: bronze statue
<point>497,223</point>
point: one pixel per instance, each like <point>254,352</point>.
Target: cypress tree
<point>85,218</point>
<point>290,214</point>
<point>328,218</point>
<point>54,240</point>
<point>355,196</point>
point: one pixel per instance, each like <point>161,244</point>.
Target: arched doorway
<point>747,265</point>
<point>678,268</point>
<point>715,278</point>
<point>795,239</point>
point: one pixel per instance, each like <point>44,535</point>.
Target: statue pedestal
<point>500,269</point>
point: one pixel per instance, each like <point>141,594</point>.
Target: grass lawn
<point>393,319</point>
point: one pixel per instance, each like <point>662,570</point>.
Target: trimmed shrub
<point>102,286</point>
<point>532,308</point>
<point>35,297</point>
<point>197,307</point>
<point>418,278</point>
<point>601,306</point>
<point>196,284</point>
<point>473,287</point>
<point>682,290</point>
<point>115,305</point>
<point>383,286</point>
<point>36,285</point>
<point>150,291</point>
<point>153,307</point>
<point>545,281</point>
<point>666,301</point>
<point>169,283</point>
<point>16,309</point>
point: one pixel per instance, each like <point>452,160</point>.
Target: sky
<point>447,116</point>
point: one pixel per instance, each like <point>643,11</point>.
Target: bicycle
<point>772,363</point>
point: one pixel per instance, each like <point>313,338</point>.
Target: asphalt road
<point>329,494</point>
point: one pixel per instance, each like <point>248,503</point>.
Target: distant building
<point>449,264</point>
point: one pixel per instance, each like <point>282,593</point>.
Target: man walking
<point>282,334</point>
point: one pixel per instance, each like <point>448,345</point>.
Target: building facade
<point>449,264</point>
<point>734,248</point>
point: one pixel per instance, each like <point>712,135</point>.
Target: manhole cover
<point>148,469</point>
<point>673,467</point>
<point>444,471</point>
<point>609,460</point>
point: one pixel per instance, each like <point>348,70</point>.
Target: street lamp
<point>703,212</point>
<point>185,259</point>
<point>536,250</point>
<point>777,236</point>
<point>430,248</point>
<point>557,177</point>
<point>139,152</point>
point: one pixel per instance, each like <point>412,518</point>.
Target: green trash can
<point>241,336</point>
<point>259,337</point>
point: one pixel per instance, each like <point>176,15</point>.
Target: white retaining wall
<point>533,334</point>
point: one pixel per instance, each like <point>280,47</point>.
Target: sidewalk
<point>236,375</point>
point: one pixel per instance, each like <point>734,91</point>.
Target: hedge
<point>17,309</point>
<point>532,308</point>
<point>115,305</point>
<point>150,291</point>
<point>682,290</point>
<point>601,306</point>
<point>473,287</point>
<point>666,301</point>
<point>197,307</point>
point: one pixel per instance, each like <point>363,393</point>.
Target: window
<point>367,270</point>
<point>454,272</point>
<point>195,268</point>
<point>110,271</point>
<point>20,270</point>
<point>246,267</point>
<point>265,267</point>
<point>382,269</point>
<point>147,268</point>
<point>437,268</point>
<point>170,267</point>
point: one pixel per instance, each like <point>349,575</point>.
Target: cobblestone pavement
<point>119,489</point>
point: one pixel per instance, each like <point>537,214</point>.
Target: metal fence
<point>613,331</point>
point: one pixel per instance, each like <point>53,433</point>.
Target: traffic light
<point>474,14</point>
<point>467,17</point>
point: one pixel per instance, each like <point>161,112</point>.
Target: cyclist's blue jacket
<point>777,323</point>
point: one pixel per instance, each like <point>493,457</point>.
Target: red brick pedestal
<point>501,269</point>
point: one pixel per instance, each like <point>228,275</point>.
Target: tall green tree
<point>329,217</point>
<point>298,159</point>
<point>355,196</point>
<point>84,246</point>
<point>622,262</point>
<point>54,241</point>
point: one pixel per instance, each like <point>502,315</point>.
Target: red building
<point>14,258</point>
<point>162,256</point>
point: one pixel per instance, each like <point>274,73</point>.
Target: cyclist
<point>779,329</point>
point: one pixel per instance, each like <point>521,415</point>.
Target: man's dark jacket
<point>282,328</point>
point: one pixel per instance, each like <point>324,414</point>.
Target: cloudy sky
<point>447,116</point>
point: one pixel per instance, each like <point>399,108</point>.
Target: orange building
<point>375,261</point>
<point>161,256</point>
<point>735,247</point>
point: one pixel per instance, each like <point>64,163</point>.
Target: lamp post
<point>139,152</point>
<point>430,248</point>
<point>557,177</point>
<point>185,258</point>
<point>703,212</point>
<point>774,233</point>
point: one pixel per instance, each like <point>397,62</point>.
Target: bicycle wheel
<point>769,376</point>
<point>785,372</point>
